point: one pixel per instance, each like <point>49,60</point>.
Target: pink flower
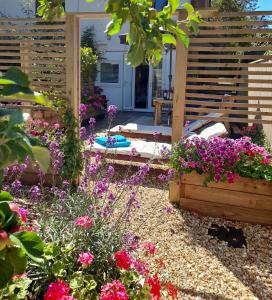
<point>23,214</point>
<point>122,260</point>
<point>86,259</point>
<point>149,248</point>
<point>84,221</point>
<point>57,291</point>
<point>114,291</point>
<point>141,267</point>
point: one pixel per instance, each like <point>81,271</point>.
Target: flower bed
<point>225,178</point>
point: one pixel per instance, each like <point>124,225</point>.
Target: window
<point>109,73</point>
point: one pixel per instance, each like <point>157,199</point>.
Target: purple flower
<point>35,193</point>
<point>16,185</point>
<point>92,122</point>
<point>111,141</point>
<point>101,187</point>
<point>82,110</point>
<point>110,171</point>
<point>83,133</point>
<point>112,110</point>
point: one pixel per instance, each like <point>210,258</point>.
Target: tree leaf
<point>41,154</point>
<point>4,81</point>
<point>169,39</point>
<point>189,7</point>
<point>30,242</point>
<point>5,197</point>
<point>18,260</point>
<point>6,272</point>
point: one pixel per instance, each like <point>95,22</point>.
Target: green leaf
<point>189,7</point>
<point>31,243</point>
<point>18,260</point>
<point>42,156</point>
<point>58,269</point>
<point>6,272</point>
<point>169,39</point>
<point>174,4</point>
<point>4,81</point>
<point>19,77</point>
<point>5,196</point>
<point>114,26</point>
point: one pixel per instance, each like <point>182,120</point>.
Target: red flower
<point>122,260</point>
<point>58,290</point>
<point>172,291</point>
<point>114,291</point>
<point>154,283</point>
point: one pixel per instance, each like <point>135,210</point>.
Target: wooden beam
<point>178,106</point>
<point>73,62</point>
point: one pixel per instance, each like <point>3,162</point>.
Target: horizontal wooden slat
<point>235,23</point>
<point>31,20</point>
<point>238,198</point>
<point>227,88</point>
<point>224,119</point>
<point>36,62</point>
<point>223,39</point>
<point>229,72</point>
<point>244,184</point>
<point>228,111</point>
<point>36,41</point>
<point>230,31</point>
<point>229,56</point>
<point>32,27</point>
<point>229,48</point>
<point>230,212</point>
<point>228,65</point>
<point>32,34</point>
<point>32,48</point>
<point>229,97</point>
<point>227,104</point>
<point>215,13</point>
<point>228,80</point>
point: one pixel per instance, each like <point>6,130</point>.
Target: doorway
<point>141,87</point>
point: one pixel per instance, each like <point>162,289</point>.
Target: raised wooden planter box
<point>245,200</point>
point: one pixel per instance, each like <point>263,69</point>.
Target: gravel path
<point>202,267</point>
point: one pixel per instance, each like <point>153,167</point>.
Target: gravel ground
<point>200,266</point>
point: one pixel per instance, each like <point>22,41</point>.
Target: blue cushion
<point>121,141</point>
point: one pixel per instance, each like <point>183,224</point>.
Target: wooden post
<point>73,62</point>
<point>178,107</point>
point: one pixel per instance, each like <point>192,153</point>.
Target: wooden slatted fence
<point>37,47</point>
<point>220,76</point>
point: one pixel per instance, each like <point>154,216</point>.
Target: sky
<point>265,5</point>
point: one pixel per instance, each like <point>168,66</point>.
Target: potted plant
<point>223,177</point>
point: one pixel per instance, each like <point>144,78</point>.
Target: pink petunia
<point>86,259</point>
<point>84,221</point>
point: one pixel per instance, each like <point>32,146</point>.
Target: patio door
<point>141,88</point>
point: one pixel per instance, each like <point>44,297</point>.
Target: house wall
<point>14,8</point>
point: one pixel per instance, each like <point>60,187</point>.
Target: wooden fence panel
<point>220,76</point>
<point>38,47</point>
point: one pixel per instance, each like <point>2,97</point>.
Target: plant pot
<point>246,199</point>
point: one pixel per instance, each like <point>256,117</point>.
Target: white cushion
<point>217,129</point>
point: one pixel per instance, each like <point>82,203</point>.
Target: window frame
<point>115,84</point>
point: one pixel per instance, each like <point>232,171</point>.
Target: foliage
<point>222,159</point>
<point>51,8</point>
<point>88,64</point>
<point>16,242</point>
<point>235,5</point>
<point>257,135</point>
<point>88,40</point>
<point>150,30</point>
<point>71,147</point>
<point>15,144</point>
<point>95,100</point>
